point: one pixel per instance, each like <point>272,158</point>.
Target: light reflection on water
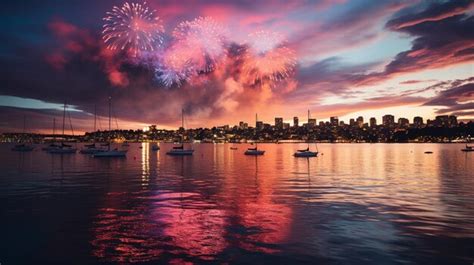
<point>356,203</point>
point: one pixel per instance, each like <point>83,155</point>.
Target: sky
<point>351,58</point>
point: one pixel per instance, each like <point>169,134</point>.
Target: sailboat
<point>92,148</point>
<point>23,147</point>
<point>63,148</point>
<point>254,151</point>
<point>53,144</point>
<point>306,152</point>
<point>110,152</point>
<point>155,147</point>
<point>179,150</point>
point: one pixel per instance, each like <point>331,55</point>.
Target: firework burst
<point>133,28</point>
<point>205,35</point>
<point>175,65</point>
<point>267,58</point>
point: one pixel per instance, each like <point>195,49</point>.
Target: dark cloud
<point>455,99</point>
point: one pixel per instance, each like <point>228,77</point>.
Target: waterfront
<point>354,204</point>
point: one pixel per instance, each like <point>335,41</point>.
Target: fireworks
<point>207,37</point>
<point>133,27</point>
<point>176,65</point>
<point>267,57</point>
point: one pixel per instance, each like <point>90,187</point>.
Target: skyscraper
<point>388,120</point>
<point>334,121</point>
<point>360,121</point>
<point>403,122</point>
<point>295,122</point>
<point>418,122</point>
<point>373,122</point>
<point>279,123</point>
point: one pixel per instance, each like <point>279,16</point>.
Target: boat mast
<point>64,117</point>
<point>309,115</point>
<point>182,126</point>
<point>110,119</point>
<point>54,129</point>
<point>256,140</point>
<point>95,118</point>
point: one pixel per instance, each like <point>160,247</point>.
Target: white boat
<point>254,151</point>
<point>23,148</point>
<point>179,150</point>
<point>306,152</point>
<point>110,152</point>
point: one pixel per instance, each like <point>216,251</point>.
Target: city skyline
<point>343,58</point>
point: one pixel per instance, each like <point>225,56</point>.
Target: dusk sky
<point>368,58</point>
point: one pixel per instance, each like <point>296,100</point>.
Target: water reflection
<point>355,204</point>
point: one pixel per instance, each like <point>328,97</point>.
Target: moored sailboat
<point>110,152</point>
<point>22,146</point>
<point>255,151</point>
<point>63,148</point>
<point>180,150</point>
<point>306,152</point>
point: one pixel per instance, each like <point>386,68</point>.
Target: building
<point>259,125</point>
<point>334,121</point>
<point>373,122</point>
<point>453,121</point>
<point>311,123</point>
<point>403,123</point>
<point>295,122</point>
<point>352,122</point>
<point>279,123</point>
<point>360,121</point>
<point>388,120</point>
<point>418,122</point>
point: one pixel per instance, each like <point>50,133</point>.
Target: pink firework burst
<point>133,28</point>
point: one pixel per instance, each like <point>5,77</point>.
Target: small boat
<point>50,147</point>
<point>428,152</point>
<point>110,152</point>
<point>23,148</point>
<point>90,149</point>
<point>155,147</point>
<point>63,149</point>
<point>305,153</point>
<point>179,150</point>
<point>254,152</point>
<point>233,148</point>
<point>468,148</point>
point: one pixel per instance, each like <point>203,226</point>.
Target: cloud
<point>454,99</point>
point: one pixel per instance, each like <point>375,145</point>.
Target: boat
<point>90,149</point>
<point>255,151</point>
<point>180,150</point>
<point>62,148</point>
<point>233,148</point>
<point>306,152</point>
<point>428,152</point>
<point>109,152</point>
<point>155,147</point>
<point>468,148</point>
<point>125,144</point>
<point>22,146</point>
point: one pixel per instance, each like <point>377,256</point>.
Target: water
<point>355,204</point>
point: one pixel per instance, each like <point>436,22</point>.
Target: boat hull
<point>25,148</point>
<point>306,154</point>
<point>62,151</point>
<point>180,152</point>
<point>254,152</point>
<point>467,150</point>
<point>113,153</point>
<point>155,148</point>
<point>91,151</point>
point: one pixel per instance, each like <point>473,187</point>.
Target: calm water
<point>355,204</point>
